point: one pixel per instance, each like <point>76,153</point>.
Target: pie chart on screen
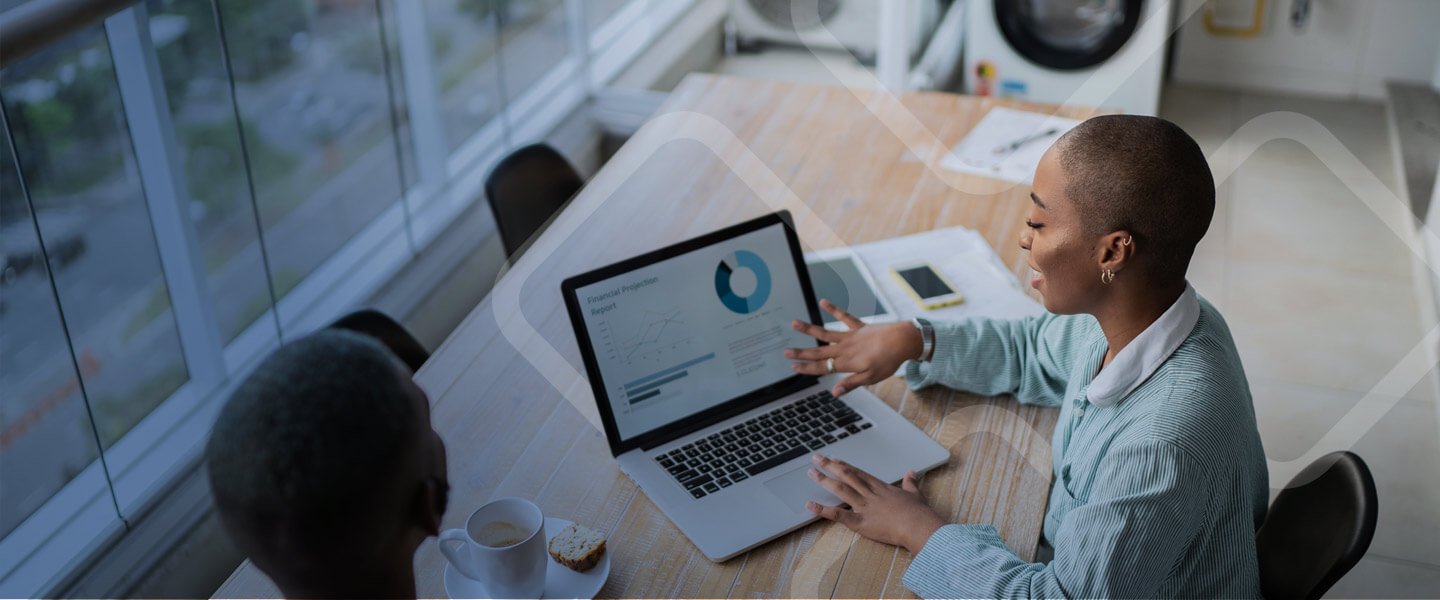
<point>742,281</point>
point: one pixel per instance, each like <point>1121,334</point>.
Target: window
<point>205,186</point>
<point>78,166</point>
<point>465,39</point>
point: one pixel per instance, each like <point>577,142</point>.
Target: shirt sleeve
<point>1123,543</point>
<point>1030,358</point>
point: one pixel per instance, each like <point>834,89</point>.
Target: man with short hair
<point>326,471</point>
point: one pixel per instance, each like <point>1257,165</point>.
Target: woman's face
<point>1063,259</point>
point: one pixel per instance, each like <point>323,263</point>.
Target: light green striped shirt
<point>1156,495</point>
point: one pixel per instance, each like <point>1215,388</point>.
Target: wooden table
<point>853,166</point>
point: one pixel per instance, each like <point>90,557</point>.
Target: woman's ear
<point>1117,250</point>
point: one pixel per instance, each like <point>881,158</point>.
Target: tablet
<point>838,276</point>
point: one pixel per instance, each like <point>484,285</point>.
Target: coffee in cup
<point>499,534</point>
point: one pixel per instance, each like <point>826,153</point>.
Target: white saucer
<point>560,581</point>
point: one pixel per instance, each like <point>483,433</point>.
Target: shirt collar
<point>1139,359</point>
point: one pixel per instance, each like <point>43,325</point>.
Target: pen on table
<point>1025,140</point>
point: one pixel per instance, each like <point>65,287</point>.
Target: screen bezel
<point>722,410</point>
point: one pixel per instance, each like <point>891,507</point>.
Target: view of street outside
<point>310,86</point>
<point>65,117</point>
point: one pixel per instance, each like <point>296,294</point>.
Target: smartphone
<point>925,285</point>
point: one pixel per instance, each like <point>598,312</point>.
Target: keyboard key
<point>769,452</point>
<point>815,445</point>
<point>843,435</point>
<point>724,483</point>
<point>852,428</point>
<point>686,474</point>
<point>704,468</point>
<point>830,439</point>
<point>695,482</point>
<point>711,487</point>
<point>698,493</point>
<point>744,462</point>
<point>774,461</point>
<point>865,425</point>
<point>739,476</point>
<point>665,463</point>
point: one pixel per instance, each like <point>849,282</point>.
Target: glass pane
<point>45,437</point>
<point>188,47</point>
<point>597,12</point>
<point>77,159</point>
<point>463,35</point>
<point>534,39</point>
<point>409,172</point>
<point>310,82</point>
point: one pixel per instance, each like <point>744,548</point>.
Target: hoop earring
<point>1107,277</point>
<point>1127,241</point>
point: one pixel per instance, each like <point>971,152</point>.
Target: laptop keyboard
<point>724,458</point>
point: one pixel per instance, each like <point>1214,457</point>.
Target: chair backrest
<point>380,326</point>
<point>526,189</point>
<point>1317,528</point>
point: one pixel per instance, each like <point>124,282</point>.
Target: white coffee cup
<point>502,546</point>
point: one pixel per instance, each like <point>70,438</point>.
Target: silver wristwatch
<point>927,338</point>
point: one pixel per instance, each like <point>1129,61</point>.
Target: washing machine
<point>1108,53</point>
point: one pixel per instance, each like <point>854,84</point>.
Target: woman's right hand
<point>871,352</point>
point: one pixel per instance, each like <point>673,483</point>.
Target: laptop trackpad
<point>795,487</point>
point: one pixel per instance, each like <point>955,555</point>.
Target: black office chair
<point>527,188</point>
<point>380,326</point>
<point>1318,527</point>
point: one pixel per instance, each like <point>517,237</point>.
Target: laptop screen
<point>689,332</point>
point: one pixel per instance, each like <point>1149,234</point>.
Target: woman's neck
<point>1132,309</point>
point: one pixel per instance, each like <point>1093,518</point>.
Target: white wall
<point>1435,79</point>
<point>1349,48</point>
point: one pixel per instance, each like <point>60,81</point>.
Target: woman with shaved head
<point>1159,476</point>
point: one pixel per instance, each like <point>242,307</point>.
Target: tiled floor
<point>1319,294</point>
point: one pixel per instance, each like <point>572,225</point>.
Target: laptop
<point>683,349</point>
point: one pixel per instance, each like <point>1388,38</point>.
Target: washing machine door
<point>1067,34</point>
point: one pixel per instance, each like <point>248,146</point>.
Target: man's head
<point>324,462</point>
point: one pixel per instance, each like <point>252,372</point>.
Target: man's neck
<point>384,581</point>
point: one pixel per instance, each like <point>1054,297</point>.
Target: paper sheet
<point>964,258</point>
<point>1007,144</point>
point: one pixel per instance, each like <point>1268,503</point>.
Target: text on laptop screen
<point>687,333</point>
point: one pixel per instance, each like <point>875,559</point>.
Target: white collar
<point>1139,359</point>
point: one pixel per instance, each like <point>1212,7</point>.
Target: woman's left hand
<point>895,515</point>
